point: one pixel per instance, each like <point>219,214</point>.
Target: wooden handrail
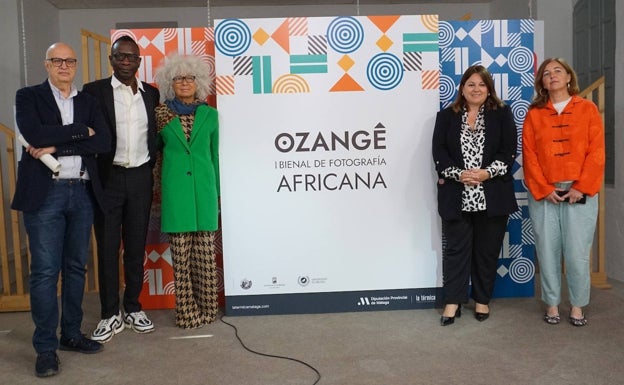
<point>598,266</point>
<point>19,297</point>
<point>97,42</point>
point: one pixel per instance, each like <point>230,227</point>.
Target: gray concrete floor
<point>513,347</point>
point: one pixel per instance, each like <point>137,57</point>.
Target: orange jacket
<point>563,147</point>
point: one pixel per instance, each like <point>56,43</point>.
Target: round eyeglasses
<point>132,57</point>
<point>187,78</point>
<point>57,62</point>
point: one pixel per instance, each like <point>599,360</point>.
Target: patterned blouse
<point>472,141</point>
<point>164,115</point>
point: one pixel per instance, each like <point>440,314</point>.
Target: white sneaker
<point>138,322</point>
<point>107,328</point>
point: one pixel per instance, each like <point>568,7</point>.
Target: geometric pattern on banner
<point>225,85</point>
<point>297,26</point>
<point>317,45</point>
<point>262,76</point>
<point>505,48</point>
<point>155,45</point>
<point>281,36</point>
<point>308,64</point>
<point>242,66</point>
<point>430,80</point>
<point>412,61</point>
<point>314,54</point>
<point>290,84</point>
<point>158,288</point>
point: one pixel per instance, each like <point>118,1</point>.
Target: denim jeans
<point>58,235</point>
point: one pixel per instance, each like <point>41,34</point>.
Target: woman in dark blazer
<point>474,146</point>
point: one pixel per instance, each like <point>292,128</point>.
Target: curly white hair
<point>176,65</point>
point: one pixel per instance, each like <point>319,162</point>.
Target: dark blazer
<point>501,139</point>
<point>103,91</point>
<point>39,121</point>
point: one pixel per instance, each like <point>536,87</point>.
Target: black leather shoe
<point>481,316</point>
<point>80,344</point>
<point>47,364</point>
<point>445,321</point>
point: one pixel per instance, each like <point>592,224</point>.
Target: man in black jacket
<point>56,120</point>
<point>126,171</point>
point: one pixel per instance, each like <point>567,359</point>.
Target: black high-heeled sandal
<point>445,321</point>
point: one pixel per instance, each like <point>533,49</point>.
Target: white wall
<point>23,47</point>
<point>615,195</point>
<point>520,9</point>
<point>10,65</point>
<point>557,15</point>
<point>41,24</point>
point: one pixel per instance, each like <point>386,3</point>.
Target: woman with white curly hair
<point>188,134</point>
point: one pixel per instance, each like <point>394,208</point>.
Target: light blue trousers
<point>564,230</point>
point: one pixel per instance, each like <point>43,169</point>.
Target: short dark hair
<point>123,38</point>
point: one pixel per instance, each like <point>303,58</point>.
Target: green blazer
<point>190,174</point>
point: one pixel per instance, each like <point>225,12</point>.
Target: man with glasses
<point>54,118</point>
<point>126,172</point>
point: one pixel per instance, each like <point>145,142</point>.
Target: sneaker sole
<point>140,331</point>
<point>110,337</point>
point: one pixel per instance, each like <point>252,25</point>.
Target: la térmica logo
<point>246,284</point>
<point>303,280</point>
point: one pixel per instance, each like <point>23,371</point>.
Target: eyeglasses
<point>180,79</point>
<point>132,57</point>
<point>57,62</point>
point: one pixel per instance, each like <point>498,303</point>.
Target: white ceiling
<point>106,4</point>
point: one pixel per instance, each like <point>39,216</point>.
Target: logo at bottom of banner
<point>332,302</point>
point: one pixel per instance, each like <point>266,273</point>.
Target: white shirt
<point>561,105</point>
<point>131,123</point>
<point>70,165</point>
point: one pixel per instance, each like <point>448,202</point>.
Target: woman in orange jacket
<point>563,160</point>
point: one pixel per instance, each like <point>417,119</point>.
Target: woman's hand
<point>573,195</point>
<point>474,177</point>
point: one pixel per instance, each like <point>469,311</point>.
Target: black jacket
<point>103,91</point>
<point>39,121</point>
<point>501,140</point>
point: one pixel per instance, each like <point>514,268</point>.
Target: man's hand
<point>39,152</point>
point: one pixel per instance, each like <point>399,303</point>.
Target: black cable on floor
<point>318,375</point>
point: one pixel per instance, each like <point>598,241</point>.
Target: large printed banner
<point>328,200</point>
<point>506,48</point>
<point>328,187</point>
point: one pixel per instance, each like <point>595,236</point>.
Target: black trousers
<point>128,199</point>
<point>470,250</point>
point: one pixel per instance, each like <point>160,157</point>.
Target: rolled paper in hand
<point>47,159</point>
